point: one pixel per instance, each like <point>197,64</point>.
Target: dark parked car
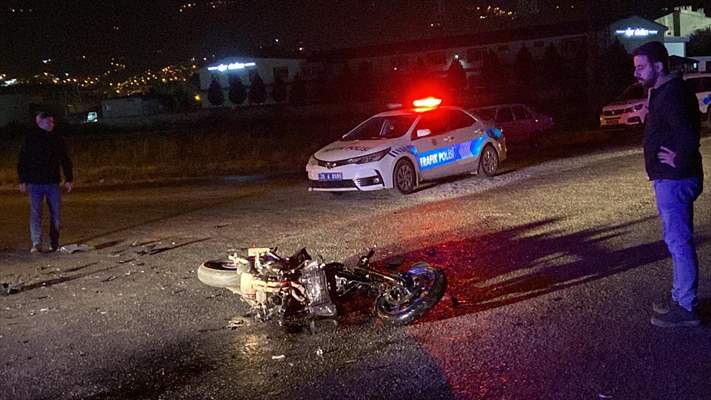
<point>518,122</point>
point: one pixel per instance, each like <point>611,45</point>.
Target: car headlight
<point>368,158</point>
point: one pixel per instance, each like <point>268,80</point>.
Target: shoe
<point>35,249</point>
<point>663,306</point>
<point>677,316</point>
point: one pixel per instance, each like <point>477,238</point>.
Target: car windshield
<point>382,128</point>
<point>633,92</point>
<point>485,113</point>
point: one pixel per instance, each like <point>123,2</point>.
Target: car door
<point>523,121</point>
<point>436,152</point>
<point>505,121</point>
<point>463,130</point>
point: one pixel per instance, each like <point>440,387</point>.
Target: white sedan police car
<point>401,148</point>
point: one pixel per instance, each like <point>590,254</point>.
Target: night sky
<point>82,36</point>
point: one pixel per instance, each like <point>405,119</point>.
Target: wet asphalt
<point>552,266</point>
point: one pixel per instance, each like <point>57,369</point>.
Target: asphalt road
<point>554,264</point>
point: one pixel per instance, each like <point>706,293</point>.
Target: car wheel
<point>488,161</point>
<point>404,176</point>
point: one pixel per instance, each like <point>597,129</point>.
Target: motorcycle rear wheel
<point>427,285</point>
<point>219,273</point>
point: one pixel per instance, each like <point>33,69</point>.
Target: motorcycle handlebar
<point>366,258</point>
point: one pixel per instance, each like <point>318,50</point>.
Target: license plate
<point>330,176</point>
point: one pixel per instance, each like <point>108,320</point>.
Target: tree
<point>257,91</point>
<point>524,67</point>
<point>238,92</point>
<point>279,89</point>
<point>298,91</point>
<point>456,76</point>
<point>617,68</point>
<point>214,93</point>
<point>552,66</point>
<point>699,43</point>
<point>492,72</point>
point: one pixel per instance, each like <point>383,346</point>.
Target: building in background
<point>239,79</point>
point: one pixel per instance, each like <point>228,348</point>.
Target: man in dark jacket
<point>673,164</point>
<point>41,157</point>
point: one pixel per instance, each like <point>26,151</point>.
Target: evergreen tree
<point>618,68</point>
<point>257,91</point>
<point>552,66</point>
<point>214,93</point>
<point>699,43</point>
<point>524,67</point>
<point>456,76</point>
<point>238,92</point>
<point>298,91</point>
<point>279,89</point>
<point>492,72</point>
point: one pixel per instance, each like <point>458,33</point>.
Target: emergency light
<point>427,102</point>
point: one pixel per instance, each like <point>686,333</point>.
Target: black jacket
<point>41,156</point>
<point>673,122</point>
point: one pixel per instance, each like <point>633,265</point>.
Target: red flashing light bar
<point>427,102</point>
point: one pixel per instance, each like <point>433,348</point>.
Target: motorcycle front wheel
<point>219,273</point>
<point>402,304</point>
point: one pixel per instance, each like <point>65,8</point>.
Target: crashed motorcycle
<point>295,289</point>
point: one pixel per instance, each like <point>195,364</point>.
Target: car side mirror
<point>423,132</point>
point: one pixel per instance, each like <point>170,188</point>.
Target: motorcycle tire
<point>433,284</point>
<point>219,273</point>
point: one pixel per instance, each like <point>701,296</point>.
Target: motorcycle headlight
<point>368,158</point>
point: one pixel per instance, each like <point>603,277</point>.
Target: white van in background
<point>629,109</point>
<point>700,83</point>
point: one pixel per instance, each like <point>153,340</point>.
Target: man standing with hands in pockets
<point>673,164</point>
<point>41,157</point>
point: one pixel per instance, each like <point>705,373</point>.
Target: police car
<point>404,147</point>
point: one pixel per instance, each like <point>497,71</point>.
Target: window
<point>382,128</point>
<point>569,47</point>
<point>520,113</point>
<point>504,115</point>
<point>457,119</point>
<point>281,73</point>
<point>435,121</point>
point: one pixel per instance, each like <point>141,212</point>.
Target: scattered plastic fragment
<point>74,248</point>
<point>236,322</point>
<point>604,396</point>
<point>319,352</point>
<point>10,288</point>
<point>279,357</point>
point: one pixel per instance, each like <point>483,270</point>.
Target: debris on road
<point>11,288</point>
<point>74,248</point>
<point>237,322</point>
<point>280,357</point>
